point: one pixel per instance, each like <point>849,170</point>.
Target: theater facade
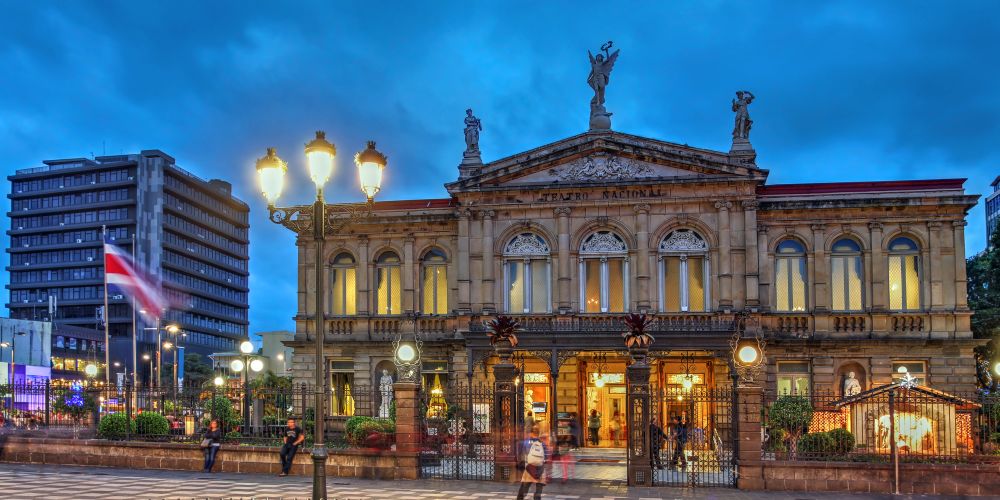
<point>849,277</point>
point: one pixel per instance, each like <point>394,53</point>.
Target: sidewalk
<point>22,481</point>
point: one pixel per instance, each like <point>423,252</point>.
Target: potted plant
<point>637,339</point>
<point>502,332</point>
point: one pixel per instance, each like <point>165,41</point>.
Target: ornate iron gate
<point>457,441</point>
<point>708,455</point>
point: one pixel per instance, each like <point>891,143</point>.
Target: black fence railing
<point>915,424</point>
<point>252,414</point>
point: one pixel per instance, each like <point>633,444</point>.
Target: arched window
<point>790,277</point>
<point>343,285</point>
<point>846,276</point>
<point>387,285</point>
<point>435,286</point>
<point>603,273</point>
<point>904,274</point>
<point>527,273</point>
<point>683,272</point>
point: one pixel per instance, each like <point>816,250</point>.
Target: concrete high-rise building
<point>992,209</point>
<point>189,233</point>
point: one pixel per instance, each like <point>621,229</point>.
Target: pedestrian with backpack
<point>534,454</point>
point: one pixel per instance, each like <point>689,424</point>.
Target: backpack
<point>536,454</point>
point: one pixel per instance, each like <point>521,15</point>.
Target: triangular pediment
<point>608,157</point>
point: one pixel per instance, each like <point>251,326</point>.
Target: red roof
<point>860,187</point>
<point>415,204</point>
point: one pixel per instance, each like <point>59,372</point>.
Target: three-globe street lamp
<point>246,365</point>
<point>319,219</point>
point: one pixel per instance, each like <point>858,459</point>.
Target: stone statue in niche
<point>385,389</point>
<point>851,385</point>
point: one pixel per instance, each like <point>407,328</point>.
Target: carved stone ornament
<point>526,244</point>
<point>603,168</point>
<point>683,240</point>
<point>603,242</point>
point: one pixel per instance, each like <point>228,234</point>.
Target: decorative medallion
<point>683,240</point>
<point>603,168</point>
<point>526,244</point>
<point>603,242</point>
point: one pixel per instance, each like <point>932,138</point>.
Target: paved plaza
<point>19,481</point>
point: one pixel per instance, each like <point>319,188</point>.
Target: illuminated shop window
<point>684,272</point>
<point>343,286</point>
<point>904,275</point>
<point>603,273</point>
<point>790,277</point>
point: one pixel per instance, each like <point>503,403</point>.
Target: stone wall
<point>939,479</point>
<point>368,464</point>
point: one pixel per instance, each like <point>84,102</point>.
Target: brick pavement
<point>22,481</point>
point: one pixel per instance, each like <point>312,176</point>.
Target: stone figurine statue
<point>851,385</point>
<point>472,128</point>
<point>385,388</point>
<point>598,79</point>
<point>743,122</point>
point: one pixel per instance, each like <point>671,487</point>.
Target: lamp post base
<point>319,456</point>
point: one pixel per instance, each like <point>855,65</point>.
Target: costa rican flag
<point>121,273</point>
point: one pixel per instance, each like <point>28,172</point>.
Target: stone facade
<point>728,229</point>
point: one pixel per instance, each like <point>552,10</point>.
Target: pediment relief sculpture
<point>603,168</point>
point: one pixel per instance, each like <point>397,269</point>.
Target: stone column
<point>750,244</point>
<point>934,265</point>
<point>725,257</point>
<point>506,412</point>
<point>361,279</point>
<point>489,303</point>
<point>407,396</point>
<point>565,276</point>
<point>751,473</point>
<point>464,291</point>
<point>637,412</point>
<point>408,273</point>
<point>878,294</point>
<point>961,279</point>
<point>818,269</point>
<point>642,252</point>
<point>765,274</point>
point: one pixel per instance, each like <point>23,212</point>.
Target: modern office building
<point>186,232</point>
<point>992,209</point>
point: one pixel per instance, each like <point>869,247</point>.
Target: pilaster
<point>934,265</point>
<point>642,266</point>
<point>749,400</point>
<point>408,273</point>
<point>637,412</point>
<point>364,266</point>
<point>818,268</point>
<point>961,278</point>
<point>750,243</point>
<point>725,256</point>
<point>489,303</point>
<point>464,290</point>
<point>878,293</point>
<point>565,295</point>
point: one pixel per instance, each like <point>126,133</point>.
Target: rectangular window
<point>435,290</point>
<point>516,288</point>
<point>916,369</point>
<point>344,293</point>
<point>592,289</point>
<point>846,283</point>
<point>672,284</point>
<point>616,285</point>
<point>793,378</point>
<point>539,286</point>
<point>388,297</point>
<point>696,284</point>
<point>790,284</point>
<point>341,397</point>
<point>904,283</point>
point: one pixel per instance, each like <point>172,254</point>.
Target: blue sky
<point>846,91</point>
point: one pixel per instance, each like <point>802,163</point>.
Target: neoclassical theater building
<point>862,277</point>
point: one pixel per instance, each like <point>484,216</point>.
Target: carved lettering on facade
<point>618,194</point>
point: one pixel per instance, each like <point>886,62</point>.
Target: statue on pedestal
<point>600,75</point>
<point>472,128</point>
<point>851,385</point>
<point>385,389</point>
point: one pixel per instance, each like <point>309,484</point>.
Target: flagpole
<point>135,331</point>
<point>107,315</point>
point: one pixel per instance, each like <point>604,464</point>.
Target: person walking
<point>679,435</point>
<point>293,438</point>
<point>534,453</point>
<point>594,425</point>
<point>615,428</point>
<point>211,440</point>
<point>656,439</point>
<point>574,432</point>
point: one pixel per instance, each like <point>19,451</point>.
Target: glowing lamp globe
<point>687,384</point>
<point>91,370</point>
<point>246,347</point>
<point>219,381</point>
<point>236,365</point>
<point>256,365</point>
<point>996,368</point>
<point>406,353</point>
<point>271,174</point>
<point>901,369</point>
<point>599,382</point>
<point>370,165</point>
<point>747,354</point>
<point>319,157</point>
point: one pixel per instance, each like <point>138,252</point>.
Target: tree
<point>983,271</point>
<point>196,371</point>
<point>791,414</point>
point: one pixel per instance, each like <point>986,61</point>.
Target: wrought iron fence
<point>254,414</point>
<point>456,440</point>
<point>693,436</point>
<point>914,424</point>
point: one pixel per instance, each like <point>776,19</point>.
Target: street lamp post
<point>246,365</point>
<point>271,172</point>
<point>147,357</point>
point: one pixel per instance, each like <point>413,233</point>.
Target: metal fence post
<point>129,393</point>
<point>892,442</point>
<point>48,394</point>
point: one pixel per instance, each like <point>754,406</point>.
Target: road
<point>23,481</point>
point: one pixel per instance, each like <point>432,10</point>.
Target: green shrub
<point>151,424</point>
<point>843,441</point>
<point>221,408</point>
<point>351,425</point>
<point>357,429</point>
<point>114,426</point>
<point>791,414</point>
<point>776,440</point>
<point>233,435</point>
<point>816,443</point>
